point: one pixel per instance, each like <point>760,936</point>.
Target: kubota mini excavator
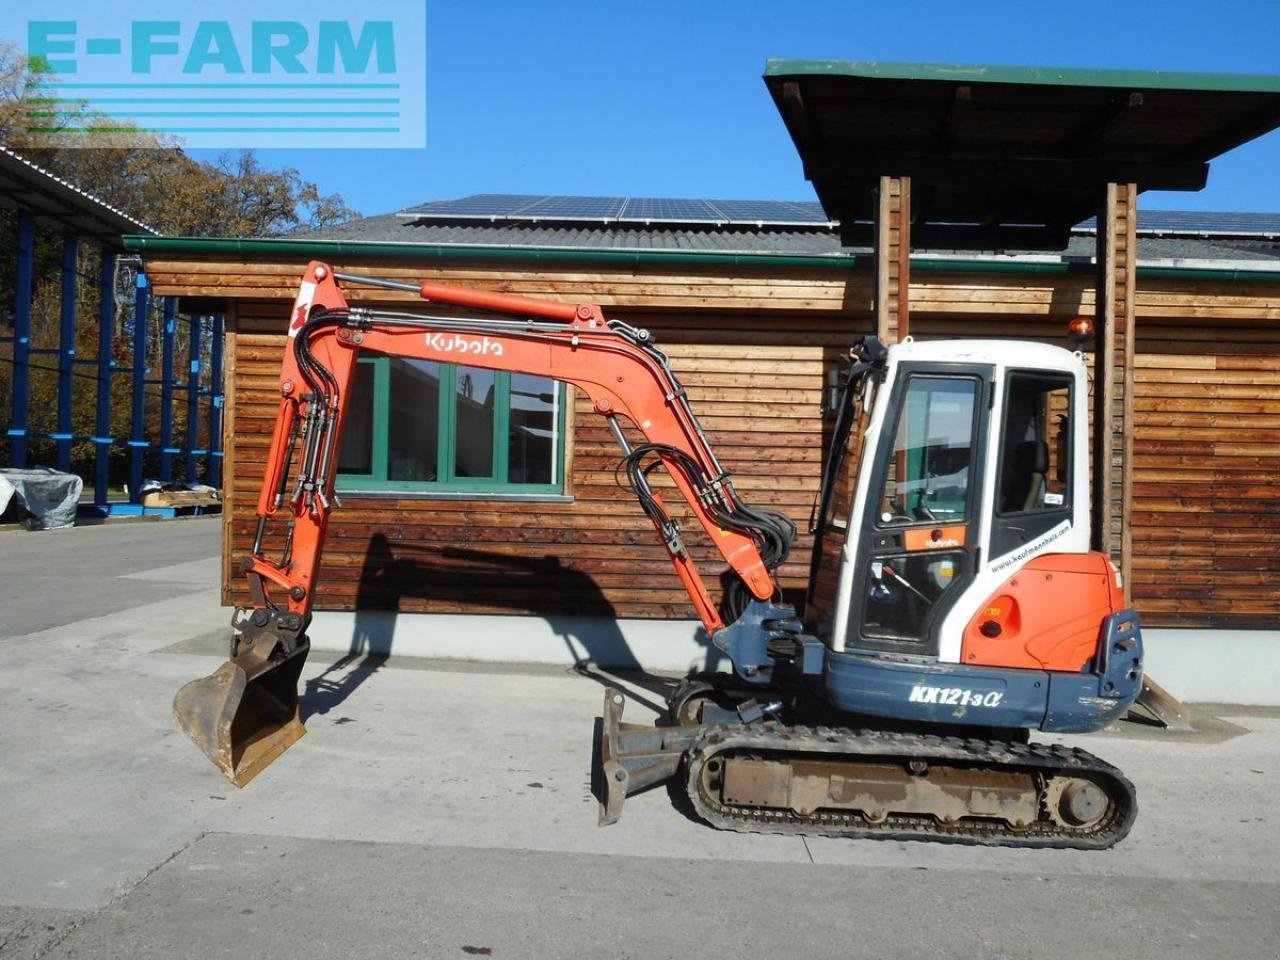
<point>954,603</point>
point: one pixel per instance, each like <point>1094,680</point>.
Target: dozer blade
<point>634,757</point>
<point>244,714</point>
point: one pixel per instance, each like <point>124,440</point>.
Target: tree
<point>174,194</point>
<point>152,179</point>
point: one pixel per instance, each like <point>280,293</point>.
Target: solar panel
<point>575,208</point>
<point>1203,222</point>
<point>480,205</point>
<point>526,207</point>
<point>770,211</point>
<point>533,206</point>
<point>669,209</point>
<point>1195,221</point>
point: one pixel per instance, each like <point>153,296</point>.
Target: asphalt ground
<point>443,809</point>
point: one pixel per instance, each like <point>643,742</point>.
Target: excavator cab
<point>967,593</point>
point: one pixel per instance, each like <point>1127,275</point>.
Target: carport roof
<point>29,188</point>
<point>1007,156</point>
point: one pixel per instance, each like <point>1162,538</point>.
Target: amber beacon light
<point>1080,330</point>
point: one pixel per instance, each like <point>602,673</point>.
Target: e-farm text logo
<point>237,79</point>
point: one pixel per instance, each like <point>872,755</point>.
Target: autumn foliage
<point>155,182</point>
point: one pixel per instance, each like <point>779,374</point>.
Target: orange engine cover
<point>1046,616</point>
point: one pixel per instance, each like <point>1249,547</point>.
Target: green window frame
<point>376,480</point>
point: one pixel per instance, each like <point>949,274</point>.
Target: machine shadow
<point>465,577</point>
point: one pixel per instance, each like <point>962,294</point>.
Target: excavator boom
<point>246,714</point>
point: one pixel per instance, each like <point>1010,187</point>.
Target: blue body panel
<point>951,693</point>
<point>746,640</point>
<point>1082,702</point>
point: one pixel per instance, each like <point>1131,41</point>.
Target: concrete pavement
<point>444,809</point>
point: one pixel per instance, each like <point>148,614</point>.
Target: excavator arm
<point>616,365</point>
<point>246,714</point>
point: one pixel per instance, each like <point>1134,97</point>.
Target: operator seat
<point>1025,475</point>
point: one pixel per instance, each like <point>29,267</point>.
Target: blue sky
<point>665,98</point>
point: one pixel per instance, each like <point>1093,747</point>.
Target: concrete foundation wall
<point>662,645</point>
<point>1216,666</point>
<point>1231,666</point>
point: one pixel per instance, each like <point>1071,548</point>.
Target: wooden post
<point>1129,299</point>
<point>228,465</point>
<point>1113,410</point>
<point>893,259</point>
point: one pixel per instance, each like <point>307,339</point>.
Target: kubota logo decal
<point>939,538</point>
<point>456,343</point>
<point>302,306</point>
<point>954,696</point>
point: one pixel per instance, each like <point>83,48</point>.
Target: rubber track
<point>799,742</point>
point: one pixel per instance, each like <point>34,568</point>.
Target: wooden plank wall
<point>1206,434</point>
<point>1206,482</point>
<point>685,288</point>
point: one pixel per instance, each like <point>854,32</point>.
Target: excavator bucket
<point>244,714</point>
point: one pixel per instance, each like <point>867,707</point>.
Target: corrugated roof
<point>729,239</point>
<point>29,187</point>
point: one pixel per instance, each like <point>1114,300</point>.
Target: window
<point>1035,449</point>
<point>926,480</point>
<point>418,425</point>
<point>928,476</point>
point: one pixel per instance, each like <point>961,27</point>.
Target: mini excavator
<point>954,603</point>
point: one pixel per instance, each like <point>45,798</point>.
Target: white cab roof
<point>1009,353</point>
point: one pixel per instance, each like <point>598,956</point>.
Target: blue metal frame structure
<point>24,288</point>
<point>193,398</point>
<point>102,431</point>
<point>46,208</point>
<point>167,449</point>
<point>214,468</point>
<point>138,444</point>
<point>139,367</point>
<point>67,350</point>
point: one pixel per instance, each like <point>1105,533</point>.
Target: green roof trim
<point>1055,76</point>
<point>235,248</point>
<point>372,249</point>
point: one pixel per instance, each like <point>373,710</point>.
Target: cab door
<point>918,545</point>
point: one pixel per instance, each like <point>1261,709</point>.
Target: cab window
<point>1035,450</point>
<point>928,475</point>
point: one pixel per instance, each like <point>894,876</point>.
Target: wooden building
<point>434,549</point>
<point>753,329</point>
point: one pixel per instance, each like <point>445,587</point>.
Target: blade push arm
<point>615,365</point>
